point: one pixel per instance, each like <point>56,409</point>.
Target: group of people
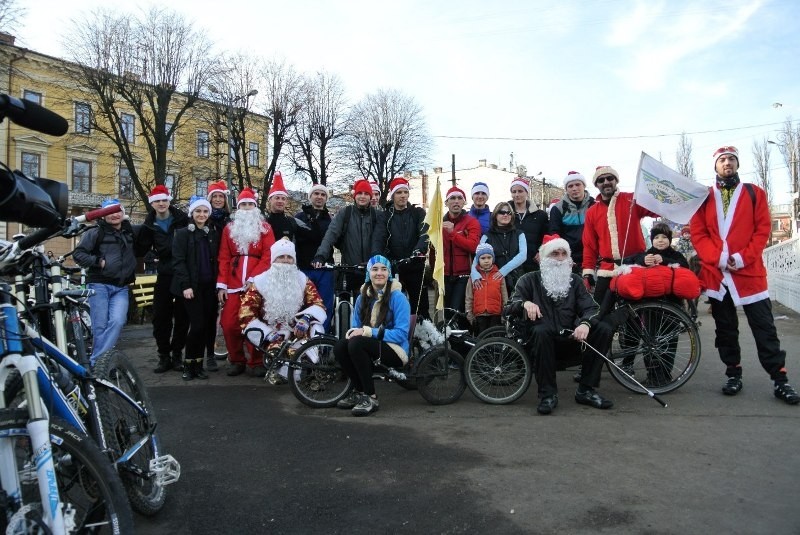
<point>267,273</point>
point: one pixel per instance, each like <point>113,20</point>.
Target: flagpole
<point>630,210</point>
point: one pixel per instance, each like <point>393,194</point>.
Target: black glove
<point>318,259</point>
<point>588,281</point>
<point>417,252</point>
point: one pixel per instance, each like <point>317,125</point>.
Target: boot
<point>211,363</point>
<point>164,363</point>
<point>177,363</point>
<point>199,372</point>
<point>188,371</point>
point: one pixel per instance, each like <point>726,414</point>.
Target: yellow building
<point>88,162</point>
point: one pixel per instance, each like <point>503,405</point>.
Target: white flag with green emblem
<point>667,192</point>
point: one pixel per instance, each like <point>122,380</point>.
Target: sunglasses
<point>604,179</point>
<point>504,212</point>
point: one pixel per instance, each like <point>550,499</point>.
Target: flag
<point>667,192</point>
<point>434,219</point>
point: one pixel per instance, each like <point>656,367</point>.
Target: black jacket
<point>670,256</point>
<point>115,247</point>
<point>219,222</point>
<point>152,237</point>
<point>363,236</point>
<point>185,261</point>
<point>566,220</point>
<point>318,222</point>
<point>533,224</point>
<point>576,308</point>
<point>406,231</point>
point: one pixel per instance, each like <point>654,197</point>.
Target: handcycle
<point>654,340</point>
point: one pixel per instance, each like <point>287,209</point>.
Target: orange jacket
<point>488,299</point>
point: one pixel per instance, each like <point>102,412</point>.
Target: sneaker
<point>734,385</point>
<point>788,394</point>
<point>350,400</point>
<point>365,406</point>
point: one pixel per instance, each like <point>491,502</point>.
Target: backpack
<point>348,211</point>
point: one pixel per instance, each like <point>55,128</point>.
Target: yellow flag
<point>434,220</point>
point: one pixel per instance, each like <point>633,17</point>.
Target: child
<point>661,252</point>
<point>485,301</point>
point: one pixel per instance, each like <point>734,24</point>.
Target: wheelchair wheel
<point>320,382</point>
<point>493,332</point>
<point>498,371</point>
<point>440,378</point>
<point>658,345</point>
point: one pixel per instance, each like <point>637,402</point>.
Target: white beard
<point>556,277</point>
<point>283,291</point>
<point>246,228</point>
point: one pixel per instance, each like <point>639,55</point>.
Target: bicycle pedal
<point>165,469</point>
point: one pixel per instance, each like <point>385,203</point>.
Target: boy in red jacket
<point>485,304</point>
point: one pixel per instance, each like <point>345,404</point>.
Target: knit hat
<point>552,242</point>
<point>196,202</point>
<point>362,186</point>
<point>519,181</point>
<point>397,184</point>
<point>217,187</point>
<point>455,190</point>
<point>277,186</point>
<point>247,195</point>
<point>686,231</point>
<point>661,228</point>
<point>730,149</point>
<point>284,246</point>
<point>159,193</point>
<point>375,187</point>
<point>572,176</point>
<point>604,170</point>
<point>484,248</point>
<point>111,202</point>
<point>319,187</point>
<point>378,259</point>
<point>480,187</point>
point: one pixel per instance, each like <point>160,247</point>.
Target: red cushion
<point>657,281</point>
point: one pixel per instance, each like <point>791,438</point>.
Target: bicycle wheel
<point>344,311</point>
<point>498,371</point>
<point>440,377</point>
<point>658,345</point>
<point>124,426</point>
<point>86,480</point>
<point>320,382</point>
<point>493,332</point>
<point>78,338</point>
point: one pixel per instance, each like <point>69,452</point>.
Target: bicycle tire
<point>320,384</point>
<point>344,311</point>
<point>645,342</point>
<point>124,426</point>
<point>85,478</point>
<point>77,340</point>
<point>493,332</point>
<point>498,371</point>
<point>440,377</point>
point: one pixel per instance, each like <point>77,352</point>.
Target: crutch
<point>640,385</point>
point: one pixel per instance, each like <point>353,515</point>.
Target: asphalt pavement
<point>255,460</point>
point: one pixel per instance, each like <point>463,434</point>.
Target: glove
<point>417,252</point>
<point>588,281</point>
<point>302,326</point>
<point>318,259</point>
<point>274,336</point>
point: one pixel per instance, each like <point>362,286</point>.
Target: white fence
<point>783,272</point>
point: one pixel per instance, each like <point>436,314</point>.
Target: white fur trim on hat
<point>519,181</point>
<point>397,184</point>
<point>246,195</point>
<point>572,176</point>
<point>480,187</point>
<point>284,246</point>
<point>319,187</point>
<point>720,152</point>
<point>159,193</point>
<point>553,244</point>
<point>197,203</point>
<point>604,170</point>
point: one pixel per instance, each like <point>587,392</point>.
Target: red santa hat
<point>217,187</point>
<point>519,181</point>
<point>397,184</point>
<point>455,190</point>
<point>376,189</point>
<point>159,193</point>
<point>247,195</point>
<point>284,246</point>
<point>553,242</point>
<point>277,186</point>
<point>729,150</point>
<point>572,176</point>
<point>362,186</point>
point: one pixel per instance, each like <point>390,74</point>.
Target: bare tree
<point>10,15</point>
<point>761,153</point>
<point>153,66</point>
<point>387,135</point>
<point>282,101</point>
<point>683,157</point>
<point>320,128</point>
<point>789,145</point>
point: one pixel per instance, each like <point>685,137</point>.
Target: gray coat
<point>364,237</point>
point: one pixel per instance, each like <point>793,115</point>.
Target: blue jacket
<point>484,217</point>
<point>398,321</point>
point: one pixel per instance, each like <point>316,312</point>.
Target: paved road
<point>255,460</point>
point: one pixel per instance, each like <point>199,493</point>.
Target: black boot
<point>199,372</point>
<point>188,371</point>
<point>164,363</point>
<point>177,363</point>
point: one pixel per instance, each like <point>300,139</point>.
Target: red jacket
<point>235,269</point>
<point>740,234</point>
<point>459,245</point>
<point>488,299</point>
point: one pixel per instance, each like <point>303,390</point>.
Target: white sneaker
<point>366,406</point>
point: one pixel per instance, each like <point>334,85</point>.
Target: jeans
<point>109,312</point>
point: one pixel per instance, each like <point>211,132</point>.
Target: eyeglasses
<point>603,179</point>
<point>504,212</point>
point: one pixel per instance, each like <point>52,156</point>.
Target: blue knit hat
<point>484,248</point>
<point>111,202</point>
<point>378,259</point>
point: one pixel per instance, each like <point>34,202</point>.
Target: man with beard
<point>729,233</point>
<point>280,303</point>
<point>567,216</point>
<point>554,298</point>
<point>243,254</point>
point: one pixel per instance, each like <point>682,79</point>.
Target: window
<point>81,176</point>
<point>83,118</point>
<point>171,138</point>
<point>31,164</point>
<point>169,181</point>
<point>33,96</point>
<point>203,142</point>
<point>201,186</point>
<point>125,182</point>
<point>252,154</point>
<point>128,126</point>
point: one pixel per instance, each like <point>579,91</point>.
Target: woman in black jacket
<point>194,257</point>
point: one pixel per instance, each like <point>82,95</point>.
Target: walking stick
<point>640,385</point>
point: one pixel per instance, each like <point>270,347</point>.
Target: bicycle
<point>344,297</point>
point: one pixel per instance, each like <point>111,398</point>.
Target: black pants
<point>356,356</point>
<point>455,291</point>
<point>543,350</point>
<point>762,325</point>
<point>411,276</point>
<point>484,322</point>
<point>202,313</point>
<point>170,322</point>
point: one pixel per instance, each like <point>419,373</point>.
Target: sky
<point>565,85</point>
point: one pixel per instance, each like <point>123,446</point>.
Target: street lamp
<point>229,102</point>
<point>789,147</point>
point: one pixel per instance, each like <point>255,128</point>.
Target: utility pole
<point>453,170</point>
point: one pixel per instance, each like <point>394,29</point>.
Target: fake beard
<point>246,228</point>
<point>283,291</point>
<point>556,277</point>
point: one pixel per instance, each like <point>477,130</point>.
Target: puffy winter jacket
<point>115,247</point>
<point>460,244</point>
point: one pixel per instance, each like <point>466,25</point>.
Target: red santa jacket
<point>459,245</point>
<point>612,231</point>
<point>740,234</point>
<point>235,268</point>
